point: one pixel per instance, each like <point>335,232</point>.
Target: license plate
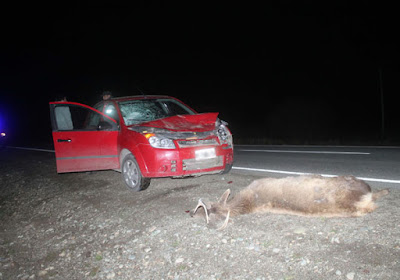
<point>205,154</point>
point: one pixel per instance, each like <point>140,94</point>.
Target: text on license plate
<point>205,153</point>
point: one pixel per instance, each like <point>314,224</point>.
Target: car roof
<point>138,97</point>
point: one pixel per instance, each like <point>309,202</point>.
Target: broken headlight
<point>224,135</point>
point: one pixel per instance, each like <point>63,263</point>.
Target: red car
<point>143,137</point>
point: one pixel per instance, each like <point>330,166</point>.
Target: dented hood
<point>197,122</point>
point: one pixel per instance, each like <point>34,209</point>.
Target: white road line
<point>253,169</point>
<point>304,173</point>
<point>320,146</point>
<point>305,152</point>
<point>31,149</point>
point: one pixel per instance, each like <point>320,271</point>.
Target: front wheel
<point>133,178</point>
<point>227,169</point>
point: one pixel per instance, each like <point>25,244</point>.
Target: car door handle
<point>64,140</point>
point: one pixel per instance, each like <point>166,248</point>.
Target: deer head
<point>214,212</point>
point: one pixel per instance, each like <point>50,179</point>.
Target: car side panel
<point>85,150</point>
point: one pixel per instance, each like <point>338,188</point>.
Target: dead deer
<point>307,195</point>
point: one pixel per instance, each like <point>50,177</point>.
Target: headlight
<point>161,142</point>
<point>155,137</point>
<point>224,135</point>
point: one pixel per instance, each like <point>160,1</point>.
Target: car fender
<point>138,157</point>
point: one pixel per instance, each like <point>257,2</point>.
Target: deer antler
<point>201,204</point>
<point>225,224</point>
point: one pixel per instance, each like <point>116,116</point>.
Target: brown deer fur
<point>308,195</point>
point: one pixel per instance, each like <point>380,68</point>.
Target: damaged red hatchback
<point>143,137</point>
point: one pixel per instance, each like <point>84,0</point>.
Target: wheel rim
<point>131,174</point>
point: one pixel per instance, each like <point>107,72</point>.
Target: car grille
<point>196,143</point>
<point>193,164</point>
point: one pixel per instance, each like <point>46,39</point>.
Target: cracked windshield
<point>138,111</point>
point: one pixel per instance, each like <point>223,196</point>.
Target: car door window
<point>71,117</point>
<point>63,117</point>
<point>99,106</point>
<point>92,121</point>
<point>111,111</point>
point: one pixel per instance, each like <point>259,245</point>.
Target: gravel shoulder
<point>89,226</point>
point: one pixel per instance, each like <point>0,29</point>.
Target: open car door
<point>84,138</point>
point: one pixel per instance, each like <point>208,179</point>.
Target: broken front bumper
<point>187,161</point>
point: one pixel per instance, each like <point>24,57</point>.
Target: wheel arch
<point>138,157</point>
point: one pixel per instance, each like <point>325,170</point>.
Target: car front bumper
<point>183,162</point>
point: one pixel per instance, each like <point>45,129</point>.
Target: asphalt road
<point>380,165</point>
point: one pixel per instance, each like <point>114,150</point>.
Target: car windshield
<point>144,110</point>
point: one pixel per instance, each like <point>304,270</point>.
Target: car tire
<point>132,175</point>
<point>227,169</point>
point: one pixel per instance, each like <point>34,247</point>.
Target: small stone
<point>179,260</point>
<point>153,228</point>
<point>62,254</point>
<point>224,241</point>
<point>42,273</point>
<point>300,230</point>
<point>276,250</point>
<point>304,262</point>
<point>110,275</point>
<point>350,275</point>
<point>132,257</point>
<point>147,250</point>
<point>338,272</point>
<point>335,240</point>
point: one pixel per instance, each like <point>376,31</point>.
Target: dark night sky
<point>300,73</point>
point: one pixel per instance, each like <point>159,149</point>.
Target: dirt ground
<point>89,226</point>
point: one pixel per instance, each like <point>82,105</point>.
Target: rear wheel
<point>133,178</point>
